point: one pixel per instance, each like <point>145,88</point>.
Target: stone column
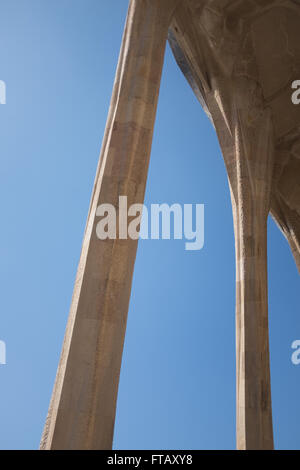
<point>245,132</point>
<point>82,408</point>
<point>250,213</point>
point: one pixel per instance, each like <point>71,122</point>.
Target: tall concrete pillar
<point>250,212</point>
<point>245,132</point>
<point>83,404</point>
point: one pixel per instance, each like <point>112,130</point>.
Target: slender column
<point>250,212</point>
<point>82,408</point>
<point>245,133</point>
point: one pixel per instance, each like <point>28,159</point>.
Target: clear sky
<point>177,385</point>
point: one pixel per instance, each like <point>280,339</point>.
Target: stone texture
<point>240,57</point>
<point>82,408</point>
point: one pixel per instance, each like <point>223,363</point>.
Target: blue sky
<point>177,385</point>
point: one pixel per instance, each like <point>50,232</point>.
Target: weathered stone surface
<point>82,408</point>
<point>240,57</point>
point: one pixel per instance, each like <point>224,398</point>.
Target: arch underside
<point>275,75</point>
